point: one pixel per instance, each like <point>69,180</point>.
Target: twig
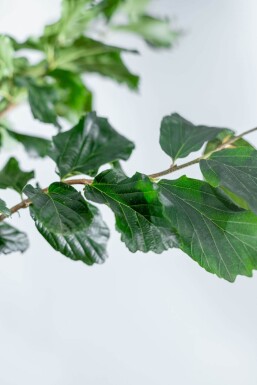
<point>224,145</point>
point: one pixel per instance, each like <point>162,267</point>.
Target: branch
<point>7,109</point>
<point>224,145</point>
<point>26,202</point>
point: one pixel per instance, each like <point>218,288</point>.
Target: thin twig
<point>224,145</point>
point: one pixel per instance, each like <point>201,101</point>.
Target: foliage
<point>214,221</point>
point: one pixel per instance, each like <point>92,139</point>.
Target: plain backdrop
<point>140,319</point>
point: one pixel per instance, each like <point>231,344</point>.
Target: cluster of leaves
<point>68,49</point>
<point>213,220</point>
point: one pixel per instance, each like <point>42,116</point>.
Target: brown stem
<point>26,202</point>
<point>8,108</point>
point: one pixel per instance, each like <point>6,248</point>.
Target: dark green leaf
<point>61,209</point>
<point>236,171</point>
<point>34,145</point>
<point>88,245</point>
<point>69,223</point>
<point>88,55</point>
<point>11,176</point>
<point>137,207</point>
<point>179,137</point>
<point>217,234</point>
<point>42,100</point>
<point>12,240</point>
<point>89,145</point>
<point>109,7</point>
<point>3,208</point>
<point>74,99</point>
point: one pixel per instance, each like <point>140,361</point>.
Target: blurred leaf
<point>74,99</point>
<point>137,207</point>
<point>215,233</point>
<point>35,146</point>
<point>6,57</point>
<point>11,176</point>
<point>3,208</point>
<point>156,32</point>
<point>88,55</point>
<point>75,16</point>
<point>87,146</point>
<point>179,137</point>
<point>68,223</point>
<point>42,100</point>
<point>12,240</point>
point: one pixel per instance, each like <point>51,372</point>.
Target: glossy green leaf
<point>88,245</point>
<point>6,57</point>
<point>236,171</point>
<point>73,98</point>
<point>217,234</point>
<point>11,176</point>
<point>137,207</point>
<point>179,137</point>
<point>69,223</point>
<point>42,99</point>
<point>89,145</point>
<point>3,208</point>
<point>34,145</point>
<point>61,209</point>
<point>88,55</point>
<point>12,240</point>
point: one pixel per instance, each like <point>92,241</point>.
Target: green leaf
<point>89,145</point>
<point>217,234</point>
<point>69,223</point>
<point>61,209</point>
<point>75,16</point>
<point>88,55</point>
<point>12,240</point>
<point>156,32</point>
<point>137,207</point>
<point>179,137</point>
<point>35,146</point>
<point>236,171</point>
<point>42,100</point>
<point>6,57</point>
<point>74,99</point>
<point>109,7</point>
<point>223,137</point>
<point>3,208</point>
<point>11,176</point>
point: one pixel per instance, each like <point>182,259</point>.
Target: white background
<point>140,319</point>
